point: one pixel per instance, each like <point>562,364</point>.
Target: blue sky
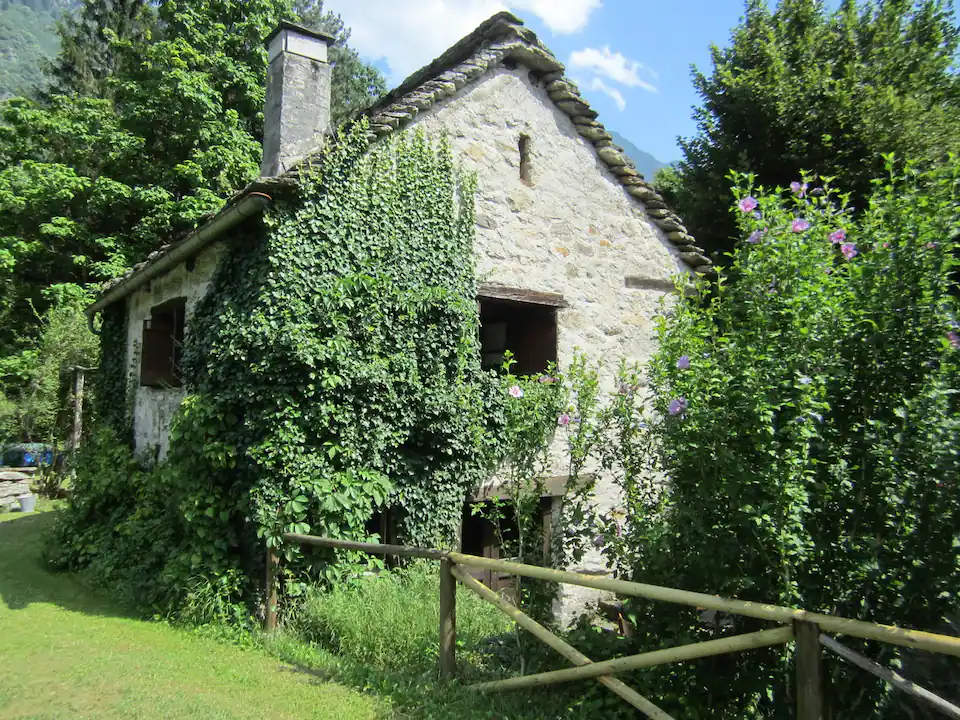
<point>631,58</point>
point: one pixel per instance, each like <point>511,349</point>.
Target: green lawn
<point>67,652</point>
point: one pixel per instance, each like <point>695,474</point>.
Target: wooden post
<point>562,647</point>
<point>77,412</point>
<point>810,685</point>
<point>448,620</point>
<point>270,616</point>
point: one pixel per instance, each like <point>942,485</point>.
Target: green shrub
<point>809,422</point>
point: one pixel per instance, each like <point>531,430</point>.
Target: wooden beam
<point>448,620</point>
<point>809,669</point>
<point>568,651</point>
<point>372,548</point>
<point>897,681</point>
<point>681,653</point>
<point>775,613</point>
<point>553,486</point>
<point>494,291</point>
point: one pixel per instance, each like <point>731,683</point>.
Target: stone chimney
<point>297,108</point>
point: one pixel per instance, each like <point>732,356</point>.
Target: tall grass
<point>391,621</point>
<point>381,634</point>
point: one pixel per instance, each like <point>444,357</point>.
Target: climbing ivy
<point>111,378</point>
<point>334,371</point>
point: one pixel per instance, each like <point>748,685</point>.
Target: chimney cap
<point>300,30</point>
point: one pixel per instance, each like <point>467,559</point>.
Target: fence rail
<point>805,629</point>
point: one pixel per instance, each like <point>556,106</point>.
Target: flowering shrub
<point>538,411</point>
<point>809,425</point>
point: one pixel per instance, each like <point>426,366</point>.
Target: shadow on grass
<point>417,692</point>
<point>25,577</point>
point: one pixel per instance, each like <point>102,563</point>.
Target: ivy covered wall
<point>333,372</point>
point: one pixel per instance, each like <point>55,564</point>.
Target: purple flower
<point>799,225</point>
<point>748,204</point>
<point>804,380</point>
<point>838,236</point>
<point>563,420</point>
<point>599,542</point>
<point>683,362</point>
<point>849,250</point>
<point>757,215</point>
<point>545,379</point>
<point>677,406</point>
<point>755,237</point>
<point>931,245</point>
<point>797,189</point>
<point>954,339</point>
<point>516,391</point>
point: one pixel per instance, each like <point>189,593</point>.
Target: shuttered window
<point>162,345</point>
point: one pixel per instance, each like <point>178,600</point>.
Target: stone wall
<point>12,486</point>
<point>570,229</point>
<point>153,408</point>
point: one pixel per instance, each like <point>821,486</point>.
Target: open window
<point>162,345</point>
<point>523,322</point>
<point>480,535</point>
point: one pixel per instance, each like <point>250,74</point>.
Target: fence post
<point>810,681</point>
<point>448,620</point>
<point>77,413</point>
<point>270,616</point>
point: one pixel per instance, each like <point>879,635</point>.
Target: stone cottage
<point>574,248</point>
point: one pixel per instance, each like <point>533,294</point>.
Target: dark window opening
<point>525,163</point>
<point>383,524</point>
<point>161,348</point>
<point>527,330</point>
<point>481,536</point>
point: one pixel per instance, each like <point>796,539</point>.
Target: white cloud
<point>562,16</point>
<point>408,34</point>
<point>615,95</point>
<point>612,65</point>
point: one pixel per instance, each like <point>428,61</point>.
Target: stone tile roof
<point>502,40</point>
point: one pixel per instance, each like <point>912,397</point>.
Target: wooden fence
<point>807,630</point>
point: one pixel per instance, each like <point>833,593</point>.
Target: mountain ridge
<point>647,164</point>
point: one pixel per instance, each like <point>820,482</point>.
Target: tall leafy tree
<point>88,54</point>
<point>90,185</point>
<point>802,88</point>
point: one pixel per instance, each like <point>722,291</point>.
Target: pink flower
<point>886,246</point>
<point>849,250</point>
<point>799,225</point>
<point>563,420</point>
<point>954,339</point>
<point>747,204</point>
<point>798,189</point>
<point>516,391</point>
<point>838,236</point>
<point>545,379</point>
<point>677,406</point>
<point>931,245</point>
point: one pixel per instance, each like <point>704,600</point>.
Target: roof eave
<point>247,206</point>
